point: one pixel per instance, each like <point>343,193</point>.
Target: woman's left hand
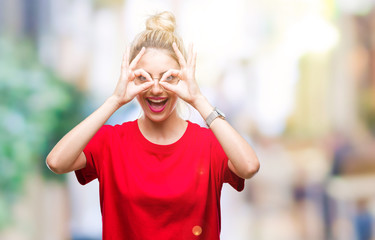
<point>186,86</point>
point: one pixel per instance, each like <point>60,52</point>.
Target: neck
<point>163,132</point>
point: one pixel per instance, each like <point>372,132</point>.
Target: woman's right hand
<point>126,88</point>
<point>67,155</point>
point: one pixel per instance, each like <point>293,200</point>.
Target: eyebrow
<point>160,74</point>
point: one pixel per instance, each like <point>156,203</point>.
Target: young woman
<point>160,176</point>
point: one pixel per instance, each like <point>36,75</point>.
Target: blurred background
<point>295,77</point>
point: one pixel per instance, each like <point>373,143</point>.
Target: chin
<point>157,118</point>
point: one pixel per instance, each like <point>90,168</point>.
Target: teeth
<point>156,101</point>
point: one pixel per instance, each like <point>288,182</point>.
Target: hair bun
<point>164,21</point>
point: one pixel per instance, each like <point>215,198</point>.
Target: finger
<point>143,87</point>
<point>125,59</point>
<point>172,72</point>
<point>180,57</point>
<point>190,53</point>
<point>141,76</point>
<point>135,61</point>
<point>142,72</point>
<point>194,60</point>
<point>168,86</point>
<point>127,54</point>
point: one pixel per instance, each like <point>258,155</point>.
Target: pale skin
<point>147,77</point>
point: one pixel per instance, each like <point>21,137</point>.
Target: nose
<point>156,89</point>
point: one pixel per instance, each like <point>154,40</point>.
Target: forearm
<point>241,155</point>
<point>64,156</point>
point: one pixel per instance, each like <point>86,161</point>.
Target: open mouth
<point>157,104</point>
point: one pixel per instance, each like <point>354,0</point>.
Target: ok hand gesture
<point>186,88</point>
<point>126,88</point>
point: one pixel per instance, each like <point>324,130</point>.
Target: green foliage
<point>36,109</point>
<point>367,108</point>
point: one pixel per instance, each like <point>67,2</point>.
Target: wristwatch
<point>213,115</point>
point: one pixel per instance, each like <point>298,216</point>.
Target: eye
<point>142,78</point>
<point>170,78</point>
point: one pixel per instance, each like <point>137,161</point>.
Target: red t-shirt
<point>158,192</point>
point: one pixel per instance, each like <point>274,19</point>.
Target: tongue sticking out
<point>157,106</point>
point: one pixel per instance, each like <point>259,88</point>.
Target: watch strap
<point>213,115</point>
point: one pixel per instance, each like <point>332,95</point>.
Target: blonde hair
<point>159,34</point>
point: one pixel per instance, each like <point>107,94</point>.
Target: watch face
<point>220,113</point>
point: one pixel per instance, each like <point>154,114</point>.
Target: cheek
<point>174,101</point>
<point>140,99</point>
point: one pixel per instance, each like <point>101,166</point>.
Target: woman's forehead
<point>157,60</point>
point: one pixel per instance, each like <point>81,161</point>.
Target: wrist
<point>216,113</point>
<point>113,102</point>
<point>198,101</point>
<point>202,105</point>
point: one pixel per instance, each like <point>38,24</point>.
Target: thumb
<point>168,86</point>
<point>143,87</point>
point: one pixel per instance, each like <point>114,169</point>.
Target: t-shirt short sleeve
<point>93,152</point>
<point>225,174</point>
